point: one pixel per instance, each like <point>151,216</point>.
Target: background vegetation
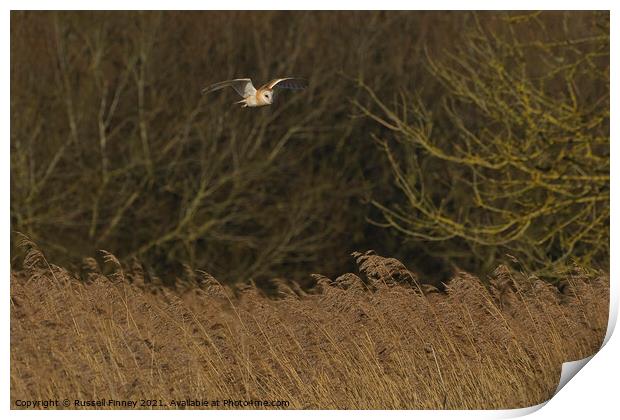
<point>444,139</point>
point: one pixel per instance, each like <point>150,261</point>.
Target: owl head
<point>267,96</point>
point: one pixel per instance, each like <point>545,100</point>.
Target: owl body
<point>262,96</point>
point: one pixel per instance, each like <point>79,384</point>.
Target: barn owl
<point>262,96</point>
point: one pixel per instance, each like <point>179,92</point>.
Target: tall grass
<point>366,340</point>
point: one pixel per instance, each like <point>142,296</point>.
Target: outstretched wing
<point>244,87</point>
<point>293,83</point>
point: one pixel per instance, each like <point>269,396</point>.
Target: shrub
<point>516,158</point>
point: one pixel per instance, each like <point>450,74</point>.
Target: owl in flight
<point>262,96</point>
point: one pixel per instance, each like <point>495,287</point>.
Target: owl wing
<point>244,87</point>
<point>293,83</point>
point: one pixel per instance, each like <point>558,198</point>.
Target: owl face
<point>267,96</point>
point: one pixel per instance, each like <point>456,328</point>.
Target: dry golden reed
<point>373,340</point>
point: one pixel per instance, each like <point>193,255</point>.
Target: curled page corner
<point>569,370</point>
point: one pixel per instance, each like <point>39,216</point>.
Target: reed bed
<point>376,339</point>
